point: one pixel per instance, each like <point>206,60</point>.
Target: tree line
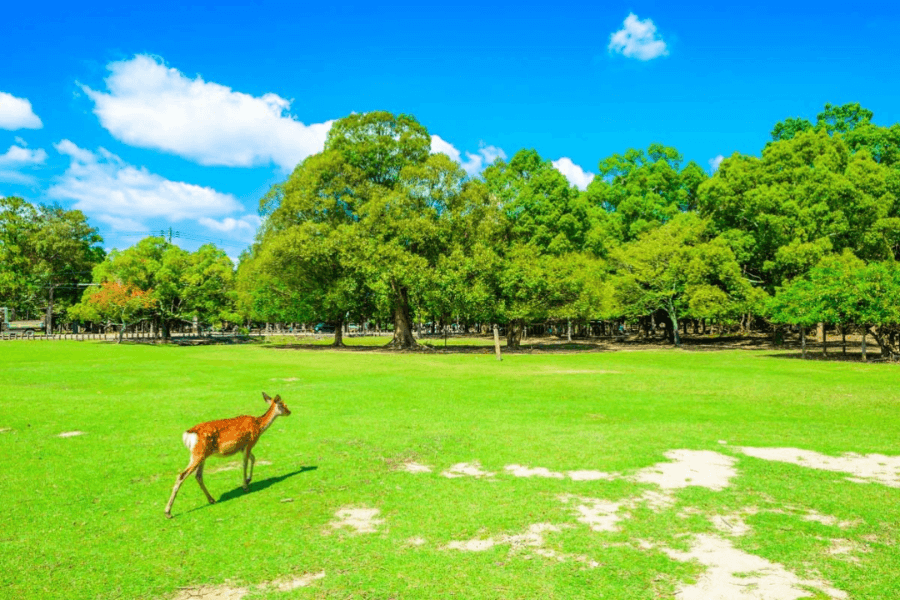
<point>377,227</point>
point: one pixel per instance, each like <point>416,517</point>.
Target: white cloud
<point>715,162</point>
<point>575,174</point>
<point>637,39</point>
<point>121,195</point>
<point>153,106</point>
<point>245,224</point>
<point>16,113</point>
<point>17,158</point>
<point>439,145</point>
<point>474,162</point>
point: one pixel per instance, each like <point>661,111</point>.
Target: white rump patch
<point>189,439</point>
<point>292,583</point>
<point>865,468</point>
<point>690,467</point>
<point>414,467</point>
<point>360,520</point>
<point>68,434</point>
<point>520,471</point>
<point>466,470</point>
<point>733,574</point>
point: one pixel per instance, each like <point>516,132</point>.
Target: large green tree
<point>45,253</point>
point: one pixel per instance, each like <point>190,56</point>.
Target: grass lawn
<point>609,510</point>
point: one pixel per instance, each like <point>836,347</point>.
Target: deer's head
<point>280,407</point>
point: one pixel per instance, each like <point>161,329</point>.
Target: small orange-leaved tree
<point>116,301</point>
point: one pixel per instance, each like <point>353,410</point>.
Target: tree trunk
<point>863,347</point>
<point>48,321</point>
<point>824,339</point>
<point>338,333</point>
<point>514,333</point>
<point>403,337</point>
<point>497,342</point>
<point>568,330</point>
<point>803,339</point>
<point>673,316</point>
<point>843,339</point>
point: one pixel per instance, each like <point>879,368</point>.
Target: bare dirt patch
<point>690,468</point>
<point>212,592</point>
<point>466,470</point>
<point>865,468</point>
<point>414,467</point>
<point>360,520</point>
<point>68,434</point>
<point>532,540</point>
<point>732,574</point>
<point>598,514</point>
<point>588,475</point>
<point>520,471</point>
<point>287,584</point>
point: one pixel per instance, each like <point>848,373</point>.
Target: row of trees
<point>377,227</point>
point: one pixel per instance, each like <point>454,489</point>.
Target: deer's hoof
<point>168,515</point>
<point>211,501</point>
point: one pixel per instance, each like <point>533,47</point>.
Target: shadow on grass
<point>257,486</point>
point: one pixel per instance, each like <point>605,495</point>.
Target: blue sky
<point>165,115</point>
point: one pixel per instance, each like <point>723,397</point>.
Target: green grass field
<point>82,516</point>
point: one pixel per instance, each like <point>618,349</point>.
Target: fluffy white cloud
<point>153,106</point>
<point>16,113</point>
<point>474,162</point>
<point>637,39</point>
<point>121,195</point>
<point>575,174</point>
<point>245,224</point>
<point>17,158</point>
<point>715,162</point>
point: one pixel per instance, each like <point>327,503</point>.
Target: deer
<point>226,437</point>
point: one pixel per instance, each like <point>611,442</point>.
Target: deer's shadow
<point>256,486</point>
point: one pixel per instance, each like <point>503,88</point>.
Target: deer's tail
<point>189,439</point>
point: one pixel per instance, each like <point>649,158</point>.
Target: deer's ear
<point>266,397</point>
<point>277,397</point>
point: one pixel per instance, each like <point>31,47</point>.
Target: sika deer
<point>225,437</point>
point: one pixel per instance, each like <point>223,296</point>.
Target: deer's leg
<point>248,455</point>
<point>200,481</point>
<point>195,462</point>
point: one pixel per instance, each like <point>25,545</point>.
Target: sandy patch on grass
<point>730,524</point>
<point>212,592</point>
<point>690,467</point>
<point>360,520</point>
<point>520,471</point>
<point>414,467</point>
<point>68,434</point>
<point>532,540</point>
<point>598,514</point>
<point>416,541</point>
<point>466,470</point>
<point>590,476</point>
<point>733,574</point>
<point>235,465</point>
<point>287,584</point>
<point>865,468</point>
<point>830,520</point>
